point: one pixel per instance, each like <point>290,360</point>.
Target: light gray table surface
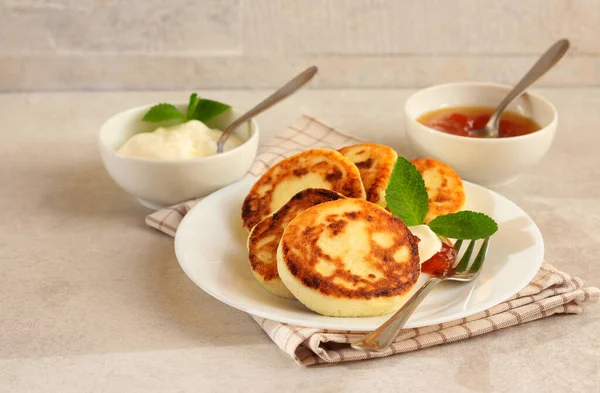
<point>93,300</point>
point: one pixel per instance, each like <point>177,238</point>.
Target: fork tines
<point>463,265</point>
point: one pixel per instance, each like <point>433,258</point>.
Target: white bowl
<point>159,183</point>
<point>486,161</point>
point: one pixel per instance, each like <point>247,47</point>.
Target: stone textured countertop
<point>93,300</point>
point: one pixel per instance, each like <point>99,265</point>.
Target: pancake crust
<point>265,236</point>
<point>349,258</point>
<point>375,163</point>
<point>315,168</point>
<point>444,187</point>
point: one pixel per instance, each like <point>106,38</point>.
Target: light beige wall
<point>161,44</point>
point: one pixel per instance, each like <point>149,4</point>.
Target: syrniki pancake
<point>444,187</point>
<point>349,258</point>
<point>265,236</point>
<point>375,163</point>
<point>316,168</point>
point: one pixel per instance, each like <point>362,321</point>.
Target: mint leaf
<point>406,195</point>
<point>464,225</point>
<point>194,100</point>
<point>163,112</point>
<point>207,109</point>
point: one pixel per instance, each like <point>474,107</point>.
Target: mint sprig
<point>198,109</point>
<point>464,225</point>
<point>406,195</point>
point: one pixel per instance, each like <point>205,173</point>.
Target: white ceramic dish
<point>160,183</point>
<point>486,161</point>
<point>210,245</point>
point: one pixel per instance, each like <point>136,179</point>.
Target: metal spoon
<point>268,102</point>
<point>547,61</point>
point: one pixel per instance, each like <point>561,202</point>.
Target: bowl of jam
<point>439,118</point>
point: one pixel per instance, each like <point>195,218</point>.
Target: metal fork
<point>382,337</point>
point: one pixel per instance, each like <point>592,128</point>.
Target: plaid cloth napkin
<point>550,292</point>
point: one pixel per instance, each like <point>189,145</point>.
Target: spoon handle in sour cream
<point>282,93</point>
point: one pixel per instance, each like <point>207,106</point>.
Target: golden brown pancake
<point>265,236</point>
<point>349,258</point>
<point>316,168</point>
<point>375,163</point>
<point>444,187</point>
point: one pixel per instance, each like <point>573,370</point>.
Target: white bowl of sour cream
<point>178,163</point>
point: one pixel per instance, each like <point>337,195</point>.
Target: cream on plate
<point>192,139</point>
<point>429,243</point>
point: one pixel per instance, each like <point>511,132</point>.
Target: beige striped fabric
<point>550,292</point>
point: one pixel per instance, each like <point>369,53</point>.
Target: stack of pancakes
<point>320,233</point>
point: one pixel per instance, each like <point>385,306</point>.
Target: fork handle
<point>381,338</point>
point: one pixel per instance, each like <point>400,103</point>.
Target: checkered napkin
<point>550,292</point>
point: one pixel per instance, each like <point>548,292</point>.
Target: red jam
<point>461,120</point>
<point>441,263</point>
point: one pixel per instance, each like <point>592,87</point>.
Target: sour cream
<point>192,139</point>
<point>430,243</point>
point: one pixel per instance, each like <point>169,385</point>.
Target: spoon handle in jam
<point>546,62</point>
<point>284,92</point>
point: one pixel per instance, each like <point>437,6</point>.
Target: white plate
<point>211,248</point>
